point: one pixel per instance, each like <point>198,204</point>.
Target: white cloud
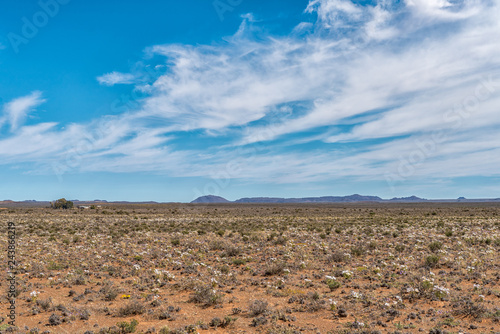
<point>444,10</point>
<point>16,111</point>
<point>335,13</point>
<point>114,78</point>
<point>379,28</point>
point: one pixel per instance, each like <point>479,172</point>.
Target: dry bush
<point>231,251</point>
<point>217,244</point>
<point>274,268</point>
<point>109,292</point>
<point>84,314</point>
<point>45,304</point>
<point>257,307</point>
<point>358,250</point>
<point>281,240</point>
<point>467,308</point>
<point>206,296</point>
<point>337,257</point>
<point>79,280</point>
<point>131,308</point>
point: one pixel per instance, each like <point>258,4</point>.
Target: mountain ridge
<point>355,198</point>
<point>321,199</point>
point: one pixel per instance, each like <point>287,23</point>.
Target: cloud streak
<point>16,111</point>
<point>114,78</point>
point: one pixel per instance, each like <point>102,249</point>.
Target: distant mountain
<point>260,200</point>
<point>408,199</point>
<point>333,199</point>
<point>210,199</point>
<point>29,203</point>
<point>323,199</point>
<point>359,198</point>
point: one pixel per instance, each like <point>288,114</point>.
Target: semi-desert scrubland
<point>228,268</point>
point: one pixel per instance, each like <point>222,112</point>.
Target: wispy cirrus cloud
<point>16,111</point>
<point>115,78</point>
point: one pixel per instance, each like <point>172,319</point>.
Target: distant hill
<point>339,199</point>
<point>29,203</point>
<point>210,199</point>
<point>408,199</point>
<point>323,199</point>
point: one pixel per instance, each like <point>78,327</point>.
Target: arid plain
<point>250,268</point>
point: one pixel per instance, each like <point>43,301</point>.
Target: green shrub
<point>165,330</point>
<point>239,262</point>
<point>357,250</point>
<point>435,246</point>
<point>333,284</point>
<point>432,261</point>
<point>126,327</point>
<point>399,248</point>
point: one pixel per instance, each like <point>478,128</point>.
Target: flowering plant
<point>34,295</point>
<point>441,292</point>
<point>347,274</point>
<point>333,305</point>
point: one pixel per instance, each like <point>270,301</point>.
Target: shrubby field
<point>343,268</point>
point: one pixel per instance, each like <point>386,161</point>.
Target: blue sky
<point>171,100</point>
